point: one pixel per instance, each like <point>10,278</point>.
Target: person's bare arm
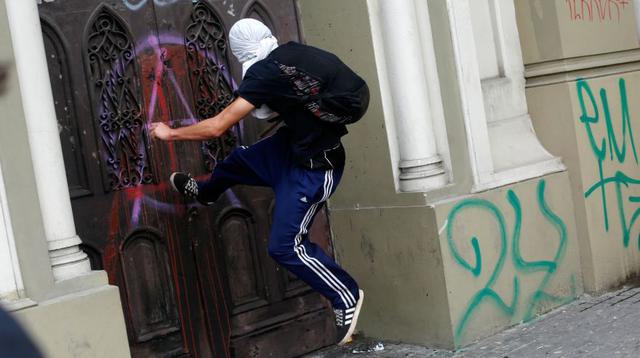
<point>207,129</point>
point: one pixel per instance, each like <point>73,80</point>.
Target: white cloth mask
<point>251,41</point>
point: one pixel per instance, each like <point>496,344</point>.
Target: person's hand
<point>160,131</point>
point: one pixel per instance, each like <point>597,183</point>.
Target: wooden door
<point>194,281</point>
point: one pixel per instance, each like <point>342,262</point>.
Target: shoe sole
<point>171,181</point>
<point>354,322</point>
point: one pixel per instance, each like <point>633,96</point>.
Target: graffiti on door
<point>152,52</point>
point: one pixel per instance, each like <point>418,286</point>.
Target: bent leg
<point>259,165</point>
<point>298,199</point>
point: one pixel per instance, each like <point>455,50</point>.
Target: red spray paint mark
<point>110,253</point>
<point>596,10</point>
<point>132,202</point>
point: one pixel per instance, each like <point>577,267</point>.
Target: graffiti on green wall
<point>509,247</point>
<point>612,149</point>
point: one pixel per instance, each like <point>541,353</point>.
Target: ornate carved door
<point>194,281</point>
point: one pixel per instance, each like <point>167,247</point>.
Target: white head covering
<point>251,41</point>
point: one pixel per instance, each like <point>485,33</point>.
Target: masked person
<point>315,95</point>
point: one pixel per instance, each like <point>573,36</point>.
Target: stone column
<point>491,82</point>
<point>421,166</point>
<point>67,260</point>
<point>10,276</point>
<point>636,7</point>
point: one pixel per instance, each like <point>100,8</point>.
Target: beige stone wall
<point>82,325</point>
<point>18,176</point>
<point>398,246</point>
<point>583,80</point>
<point>553,30</point>
<point>78,317</point>
<point>595,130</point>
<point>508,255</point>
<point>343,28</point>
<point>384,239</point>
<point>454,271</point>
<point>395,256</point>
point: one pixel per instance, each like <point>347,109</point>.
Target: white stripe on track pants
<point>300,194</point>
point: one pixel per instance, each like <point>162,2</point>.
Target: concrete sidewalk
<point>603,326</point>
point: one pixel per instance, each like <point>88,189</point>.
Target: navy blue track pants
<point>300,194</point>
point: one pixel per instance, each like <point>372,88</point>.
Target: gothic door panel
<point>106,89</point>
<point>194,281</point>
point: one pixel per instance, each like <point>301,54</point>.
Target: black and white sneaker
<point>346,320</point>
<point>184,184</point>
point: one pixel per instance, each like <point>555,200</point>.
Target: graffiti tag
<point>596,10</point>
<point>523,267</point>
<point>618,145</point>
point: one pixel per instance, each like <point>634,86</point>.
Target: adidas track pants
<point>300,194</point>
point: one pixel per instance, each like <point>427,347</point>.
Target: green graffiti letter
<point>561,228</point>
<point>486,292</point>
<point>620,153</point>
<point>600,152</point>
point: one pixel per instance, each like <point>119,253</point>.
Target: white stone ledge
<point>18,304</point>
<point>571,68</point>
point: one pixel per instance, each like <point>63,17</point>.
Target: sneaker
<point>346,321</point>
<point>184,184</point>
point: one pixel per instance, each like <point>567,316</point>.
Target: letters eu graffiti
<point>611,150</point>
<point>508,246</point>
